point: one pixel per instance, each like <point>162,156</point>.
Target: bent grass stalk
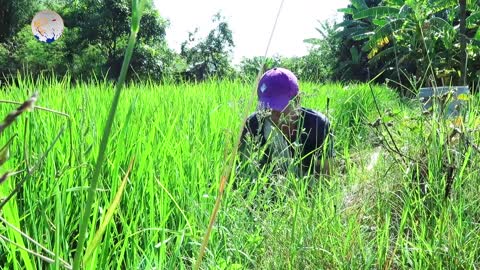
<point>11,212</point>
<point>42,257</point>
<point>33,106</point>
<point>31,171</point>
<point>176,204</point>
<point>116,201</point>
<point>36,107</point>
<point>65,264</point>
<point>137,11</point>
<point>25,106</point>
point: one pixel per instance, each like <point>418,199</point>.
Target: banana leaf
<point>395,3</point>
<point>355,55</point>
<point>439,25</point>
<point>376,13</point>
<point>313,41</point>
<point>362,36</point>
<point>346,24</point>
<point>359,4</point>
<point>477,35</point>
<point>386,53</point>
<point>473,20</point>
<point>350,32</point>
<point>382,32</point>
<point>441,5</point>
<point>346,10</point>
<point>379,22</point>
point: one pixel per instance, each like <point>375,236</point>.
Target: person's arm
<point>244,147</point>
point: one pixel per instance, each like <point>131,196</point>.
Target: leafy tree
<point>209,56</point>
<point>105,24</point>
<point>463,42</point>
<point>25,53</point>
<point>94,39</point>
<point>89,61</point>
<point>5,60</point>
<point>320,63</point>
<point>317,66</point>
<point>249,67</point>
<point>14,14</point>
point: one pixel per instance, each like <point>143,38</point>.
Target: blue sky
<point>251,22</point>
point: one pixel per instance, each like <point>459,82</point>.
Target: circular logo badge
<point>47,26</point>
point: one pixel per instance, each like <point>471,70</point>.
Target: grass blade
<point>32,170</point>
<point>108,216</point>
<point>42,257</point>
<point>27,105</point>
<point>136,16</point>
<point>68,266</point>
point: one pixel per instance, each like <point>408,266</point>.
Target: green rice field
<point>384,207</point>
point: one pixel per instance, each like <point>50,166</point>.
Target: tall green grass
<point>360,219</point>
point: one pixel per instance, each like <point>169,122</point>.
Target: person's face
<point>285,117</point>
<point>281,117</point>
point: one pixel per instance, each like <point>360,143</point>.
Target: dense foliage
<point>94,41</point>
<point>413,43</point>
<point>407,43</point>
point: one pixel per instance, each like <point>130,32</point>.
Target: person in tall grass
<point>283,134</point>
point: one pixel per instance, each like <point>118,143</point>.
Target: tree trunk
<point>463,43</point>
